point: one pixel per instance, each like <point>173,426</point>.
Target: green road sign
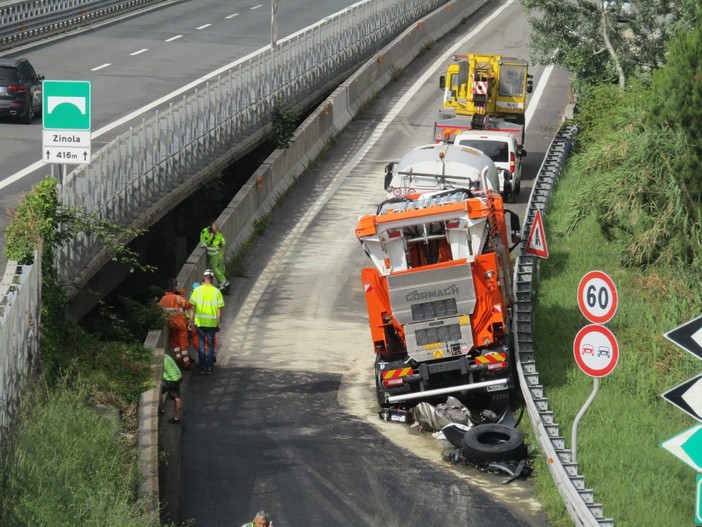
<point>687,446</point>
<point>66,105</point>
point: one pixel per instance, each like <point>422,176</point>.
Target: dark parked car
<point>20,89</point>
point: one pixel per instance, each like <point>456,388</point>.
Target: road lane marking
<point>102,66</point>
<point>174,38</point>
<point>256,6</point>
<point>139,52</point>
<point>231,16</point>
<point>203,26</point>
<point>536,96</point>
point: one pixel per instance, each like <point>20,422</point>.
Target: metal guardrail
<point>130,180</point>
<point>26,21</point>
<point>578,499</point>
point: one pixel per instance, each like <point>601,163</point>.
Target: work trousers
<point>218,267</point>
<point>205,352</point>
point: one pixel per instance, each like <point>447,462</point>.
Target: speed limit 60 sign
<point>597,297</point>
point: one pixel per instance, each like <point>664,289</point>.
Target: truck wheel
<point>489,443</point>
<point>499,402</point>
<point>379,390</point>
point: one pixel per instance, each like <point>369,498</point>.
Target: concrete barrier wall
<point>259,195</point>
<point>20,316</point>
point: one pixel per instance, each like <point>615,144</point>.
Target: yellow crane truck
<point>483,92</point>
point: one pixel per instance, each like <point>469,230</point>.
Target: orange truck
<point>439,294</point>
<point>483,92</point>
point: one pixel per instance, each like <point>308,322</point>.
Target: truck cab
<point>483,92</point>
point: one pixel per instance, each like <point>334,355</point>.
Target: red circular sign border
<point>615,297</point>
<point>615,350</point>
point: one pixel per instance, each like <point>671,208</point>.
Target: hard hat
<point>196,285</point>
<point>208,272</point>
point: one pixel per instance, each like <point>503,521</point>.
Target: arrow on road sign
<point>688,336</point>
<point>687,446</point>
<point>536,243</point>
<point>688,397</point>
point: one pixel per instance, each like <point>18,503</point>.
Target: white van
<point>506,152</point>
<point>434,167</point>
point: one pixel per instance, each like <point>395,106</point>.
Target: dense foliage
<point>284,122</point>
<point>640,153</point>
<point>65,464</point>
<point>676,101</point>
<point>605,41</point>
<point>40,222</point>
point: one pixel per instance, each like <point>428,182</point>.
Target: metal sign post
<point>595,347</point>
<point>581,413</point>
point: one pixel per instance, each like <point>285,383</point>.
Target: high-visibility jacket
<point>174,305</point>
<point>206,300</point>
<point>171,371</point>
<point>213,242</point>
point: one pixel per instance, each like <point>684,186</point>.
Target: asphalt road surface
<point>289,421</point>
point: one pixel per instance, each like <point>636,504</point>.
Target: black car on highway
<point>20,89</point>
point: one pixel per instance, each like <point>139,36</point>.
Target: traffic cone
<point>187,361</point>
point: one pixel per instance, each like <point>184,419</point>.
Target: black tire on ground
<point>379,391</point>
<point>454,434</point>
<point>489,443</point>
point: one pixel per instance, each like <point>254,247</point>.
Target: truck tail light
<point>512,162</point>
<point>392,382</point>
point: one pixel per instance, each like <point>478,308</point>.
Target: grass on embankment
<point>639,483</point>
<point>69,465</point>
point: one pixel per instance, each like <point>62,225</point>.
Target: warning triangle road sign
<point>536,243</point>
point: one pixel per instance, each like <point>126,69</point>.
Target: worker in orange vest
<point>177,307</point>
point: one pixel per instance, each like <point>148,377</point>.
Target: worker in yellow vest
<point>207,303</point>
<point>213,240</point>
